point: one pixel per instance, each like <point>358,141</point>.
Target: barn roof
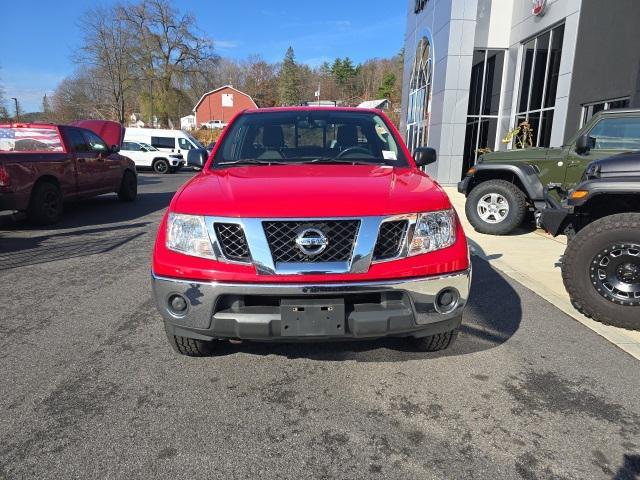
<point>222,88</point>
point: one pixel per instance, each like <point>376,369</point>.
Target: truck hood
<point>290,191</point>
<point>110,132</point>
<point>625,164</point>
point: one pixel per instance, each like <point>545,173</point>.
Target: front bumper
<point>405,307</point>
<point>463,185</point>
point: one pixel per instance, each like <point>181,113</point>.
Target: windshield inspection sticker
<point>389,155</point>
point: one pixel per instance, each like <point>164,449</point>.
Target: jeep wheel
<point>191,347</point>
<point>496,207</point>
<point>434,343</point>
<point>160,165</point>
<point>601,270</point>
<point>46,204</point>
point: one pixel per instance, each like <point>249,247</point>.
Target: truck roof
<point>306,108</point>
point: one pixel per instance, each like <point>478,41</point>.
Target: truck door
<point>107,166</point>
<point>613,135</point>
<point>86,168</point>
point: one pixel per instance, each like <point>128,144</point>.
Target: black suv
<point>601,218</point>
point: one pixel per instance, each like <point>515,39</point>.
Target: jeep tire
<point>496,207</point>
<point>582,270</point>
<point>161,165</point>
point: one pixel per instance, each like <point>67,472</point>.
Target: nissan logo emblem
<point>311,241</point>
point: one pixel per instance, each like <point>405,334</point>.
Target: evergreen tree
<point>46,108</point>
<point>289,80</point>
<point>386,88</point>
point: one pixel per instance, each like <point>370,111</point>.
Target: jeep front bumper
<point>407,307</point>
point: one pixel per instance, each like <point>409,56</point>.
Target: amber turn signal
<point>472,171</point>
<point>578,194</point>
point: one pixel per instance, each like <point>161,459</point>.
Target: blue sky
<point>38,38</point>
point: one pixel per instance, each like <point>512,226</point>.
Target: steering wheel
<point>354,149</point>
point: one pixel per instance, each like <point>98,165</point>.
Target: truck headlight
<point>188,234</point>
<point>433,231</point>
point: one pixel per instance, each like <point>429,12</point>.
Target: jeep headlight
<point>188,234</point>
<point>433,231</point>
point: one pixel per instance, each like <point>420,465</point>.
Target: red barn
<point>221,104</point>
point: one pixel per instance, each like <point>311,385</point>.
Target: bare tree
<point>107,48</point>
<point>169,48</point>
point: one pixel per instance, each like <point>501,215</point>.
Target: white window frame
<point>587,108</point>
<point>516,98</point>
<point>419,104</point>
<point>498,117</point>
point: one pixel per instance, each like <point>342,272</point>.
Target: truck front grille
<point>232,241</point>
<point>341,236</point>
<point>390,237</point>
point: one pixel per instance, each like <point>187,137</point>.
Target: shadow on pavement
<point>484,327</point>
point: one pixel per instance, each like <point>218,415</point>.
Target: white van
<point>145,155</point>
<point>170,141</point>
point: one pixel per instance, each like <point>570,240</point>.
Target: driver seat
<point>346,137</point>
<point>273,142</point>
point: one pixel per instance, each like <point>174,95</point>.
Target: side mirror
<point>115,148</point>
<point>425,156</point>
<point>584,143</point>
<point>197,157</point>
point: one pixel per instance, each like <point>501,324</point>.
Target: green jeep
<point>503,186</point>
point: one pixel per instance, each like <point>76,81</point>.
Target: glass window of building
<point>590,109</point>
<point>539,83</point>
<point>419,96</point>
<point>484,105</point>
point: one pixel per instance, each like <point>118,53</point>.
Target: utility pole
<point>17,109</point>
<point>153,123</point>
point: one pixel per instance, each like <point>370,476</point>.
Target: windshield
<point>194,140</point>
<point>313,136</point>
<point>149,147</point>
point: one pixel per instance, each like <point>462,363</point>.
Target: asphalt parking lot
<point>90,388</point>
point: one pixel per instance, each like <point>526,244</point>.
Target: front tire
<point>46,205</point>
<point>190,347</point>
<point>601,270</point>
<point>161,166</point>
<point>128,187</point>
<point>435,343</point>
<point>496,207</point>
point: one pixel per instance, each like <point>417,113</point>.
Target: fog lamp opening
<point>446,300</point>
<point>177,305</point>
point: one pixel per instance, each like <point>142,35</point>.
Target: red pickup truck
<point>43,165</point>
<point>310,224</point>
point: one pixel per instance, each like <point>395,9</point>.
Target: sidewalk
<point>531,259</point>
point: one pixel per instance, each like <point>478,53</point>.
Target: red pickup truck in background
<point>44,165</point>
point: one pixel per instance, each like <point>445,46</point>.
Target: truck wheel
<point>128,187</point>
<point>190,347</point>
<point>46,204</point>
<point>434,343</point>
<point>601,270</point>
<point>496,207</point>
<point>160,165</point>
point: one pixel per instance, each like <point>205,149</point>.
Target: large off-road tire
<point>161,165</point>
<point>601,270</point>
<point>434,343</point>
<point>190,347</point>
<point>46,204</point>
<point>128,190</point>
<point>496,207</point>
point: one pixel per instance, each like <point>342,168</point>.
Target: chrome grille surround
<point>359,260</point>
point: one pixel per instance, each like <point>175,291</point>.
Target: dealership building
<point>474,69</point>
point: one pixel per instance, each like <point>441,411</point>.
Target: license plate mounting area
<point>312,317</point>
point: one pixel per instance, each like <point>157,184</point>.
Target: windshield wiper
<point>252,161</point>
<point>343,160</point>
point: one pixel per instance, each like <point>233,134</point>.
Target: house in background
<point>135,121</point>
<point>188,122</point>
<point>380,104</point>
<point>220,105</point>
